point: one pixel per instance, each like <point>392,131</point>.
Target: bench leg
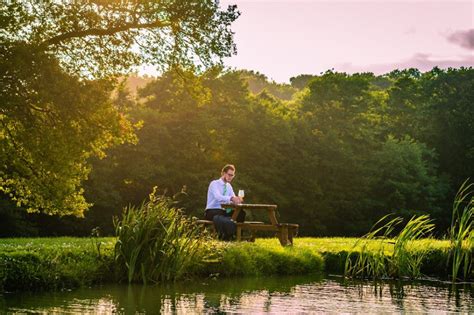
<point>239,234</point>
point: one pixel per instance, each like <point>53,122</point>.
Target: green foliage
<point>49,131</point>
<point>267,257</point>
<point>103,38</point>
<point>461,233</point>
<point>58,61</point>
<point>397,261</point>
<point>301,81</point>
<point>58,263</point>
<point>405,262</point>
<point>406,177</point>
<point>347,146</point>
<point>54,263</point>
<point>156,242</point>
<point>258,83</point>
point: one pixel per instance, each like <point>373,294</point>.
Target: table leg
<point>235,214</point>
<point>290,236</point>
<point>283,234</point>
<point>239,233</point>
<point>271,215</point>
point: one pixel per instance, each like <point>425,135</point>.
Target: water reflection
<point>244,295</point>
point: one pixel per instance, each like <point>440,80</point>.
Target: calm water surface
<point>250,295</point>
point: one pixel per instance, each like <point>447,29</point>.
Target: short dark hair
<point>228,167</point>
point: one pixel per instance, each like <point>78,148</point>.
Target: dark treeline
<point>336,151</point>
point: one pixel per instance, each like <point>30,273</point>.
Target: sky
<point>284,38</point>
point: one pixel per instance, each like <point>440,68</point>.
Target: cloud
<point>464,39</point>
<point>423,62</point>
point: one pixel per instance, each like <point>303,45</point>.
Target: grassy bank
<point>56,263</point>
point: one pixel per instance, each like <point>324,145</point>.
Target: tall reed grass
<point>156,242</point>
<point>461,233</point>
<point>390,257</point>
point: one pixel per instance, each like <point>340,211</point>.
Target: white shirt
<point>215,194</point>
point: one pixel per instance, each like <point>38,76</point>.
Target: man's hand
<point>236,199</point>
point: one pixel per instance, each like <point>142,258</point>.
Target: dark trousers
<point>223,223</point>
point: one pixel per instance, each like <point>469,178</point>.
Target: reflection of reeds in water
<point>156,242</point>
<point>389,257</point>
<point>461,233</point>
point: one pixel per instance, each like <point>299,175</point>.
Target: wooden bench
<point>285,231</point>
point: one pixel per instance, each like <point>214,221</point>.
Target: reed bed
<point>393,257</point>
<point>156,242</point>
<point>397,257</point>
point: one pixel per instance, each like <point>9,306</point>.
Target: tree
<point>58,61</point>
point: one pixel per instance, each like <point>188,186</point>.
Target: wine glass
<point>241,194</point>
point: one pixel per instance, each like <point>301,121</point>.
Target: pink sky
<point>285,38</point>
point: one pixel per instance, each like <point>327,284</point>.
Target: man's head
<point>228,173</point>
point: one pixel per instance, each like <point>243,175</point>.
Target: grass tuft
<point>156,242</point>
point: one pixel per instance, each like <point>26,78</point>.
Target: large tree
<point>58,61</point>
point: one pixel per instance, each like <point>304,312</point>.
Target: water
<point>250,295</point>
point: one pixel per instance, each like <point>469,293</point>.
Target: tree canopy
<point>58,61</point>
<point>346,150</point>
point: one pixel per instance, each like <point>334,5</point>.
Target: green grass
<point>56,263</point>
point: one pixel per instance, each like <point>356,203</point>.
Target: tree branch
<point>103,32</point>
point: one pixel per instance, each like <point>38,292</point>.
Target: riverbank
<point>64,263</point>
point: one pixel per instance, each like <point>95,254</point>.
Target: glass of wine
<point>241,194</point>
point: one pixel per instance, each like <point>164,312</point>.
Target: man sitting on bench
<point>220,191</point>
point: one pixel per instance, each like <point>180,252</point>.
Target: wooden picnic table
<point>285,231</point>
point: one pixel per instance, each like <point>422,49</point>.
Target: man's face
<point>228,176</point>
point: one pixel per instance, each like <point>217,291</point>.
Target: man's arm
<point>216,193</point>
<point>233,197</point>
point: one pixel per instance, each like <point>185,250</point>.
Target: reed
<point>461,233</point>
<point>406,262</point>
<point>390,257</point>
<point>366,260</point>
<point>156,242</point>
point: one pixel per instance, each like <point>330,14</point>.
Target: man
<point>220,191</point>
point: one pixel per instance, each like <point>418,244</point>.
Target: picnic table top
<point>249,205</point>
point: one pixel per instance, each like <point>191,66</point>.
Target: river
<point>295,294</point>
